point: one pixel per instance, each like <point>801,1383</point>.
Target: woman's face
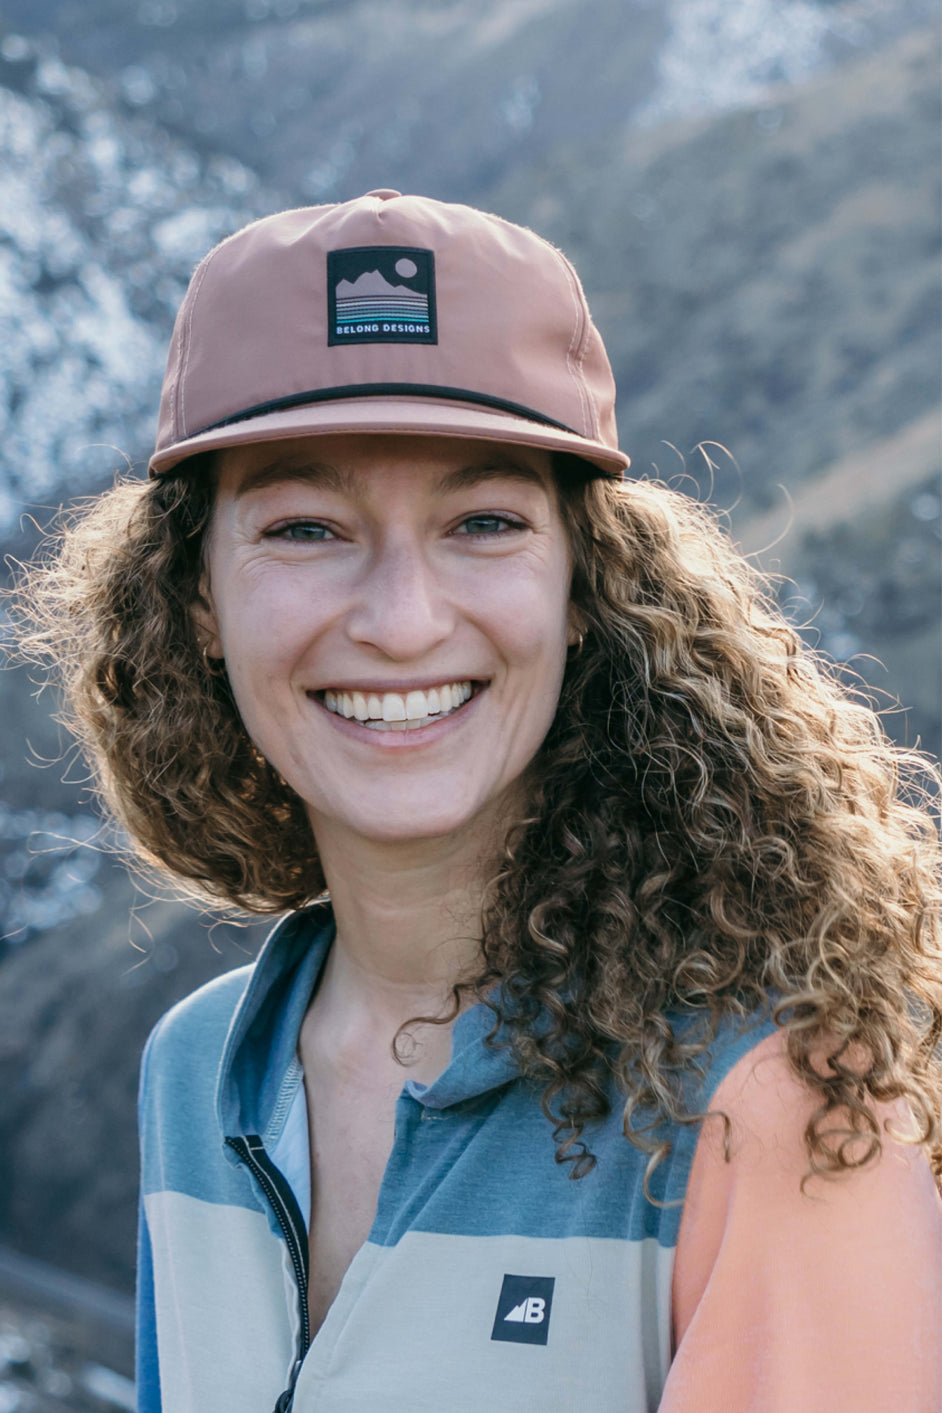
<point>394,616</point>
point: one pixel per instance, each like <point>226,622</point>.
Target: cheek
<point>535,622</point>
<point>524,605</point>
<point>264,618</point>
<point>253,644</point>
<point>530,631</point>
<point>264,640</point>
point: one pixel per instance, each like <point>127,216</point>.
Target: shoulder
<point>752,1146</point>
<point>177,1110</point>
<point>823,1268</point>
<point>758,1114</point>
<point>736,1047</point>
<point>196,1027</point>
<point>204,1012</point>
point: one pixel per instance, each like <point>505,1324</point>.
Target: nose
<point>402,608</point>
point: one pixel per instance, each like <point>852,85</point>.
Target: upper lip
<point>379,688</point>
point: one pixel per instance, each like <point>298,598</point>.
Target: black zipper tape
<point>282,1201</point>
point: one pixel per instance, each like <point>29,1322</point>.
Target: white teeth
<point>414,706</point>
<point>394,708</point>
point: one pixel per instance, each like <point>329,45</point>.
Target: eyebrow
<point>510,470</point>
<point>334,478</point>
<point>312,473</point>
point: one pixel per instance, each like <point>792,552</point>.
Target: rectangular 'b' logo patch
<point>523,1310</point>
<point>381,294</point>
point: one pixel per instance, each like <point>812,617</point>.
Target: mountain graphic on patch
<point>381,294</point>
<point>372,297</point>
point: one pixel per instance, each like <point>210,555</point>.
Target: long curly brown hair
<point>716,826</point>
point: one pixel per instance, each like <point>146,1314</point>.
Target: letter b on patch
<point>523,1310</point>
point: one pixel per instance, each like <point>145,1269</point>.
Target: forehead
<point>361,464</point>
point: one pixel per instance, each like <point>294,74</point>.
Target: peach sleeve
<point>792,1303</point>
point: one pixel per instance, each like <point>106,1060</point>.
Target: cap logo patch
<point>381,294</point>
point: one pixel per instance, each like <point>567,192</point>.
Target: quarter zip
<point>251,1151</point>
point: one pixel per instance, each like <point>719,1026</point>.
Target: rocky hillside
<point>102,217</point>
<point>767,279</point>
<point>332,97</point>
<point>762,261</point>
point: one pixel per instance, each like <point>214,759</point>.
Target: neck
<point>408,920</point>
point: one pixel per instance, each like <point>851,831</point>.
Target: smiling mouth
<point>400,711</point>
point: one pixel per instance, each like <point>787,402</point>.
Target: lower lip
<point>402,740</point>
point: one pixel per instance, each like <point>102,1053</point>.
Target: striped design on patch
<point>370,297</point>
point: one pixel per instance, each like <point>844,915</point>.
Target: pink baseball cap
<point>388,313</point>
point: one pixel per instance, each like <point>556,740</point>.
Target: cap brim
<point>432,417</point>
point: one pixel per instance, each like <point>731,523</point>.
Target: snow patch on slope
<point>101,222</point>
<point>723,54</point>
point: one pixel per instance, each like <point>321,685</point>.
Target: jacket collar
<point>259,1073</point>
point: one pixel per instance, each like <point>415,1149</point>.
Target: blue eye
<point>303,531</point>
<point>487,525</point>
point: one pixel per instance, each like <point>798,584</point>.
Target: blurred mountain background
<point>750,192</point>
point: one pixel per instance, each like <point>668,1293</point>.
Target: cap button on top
<point>384,193</point>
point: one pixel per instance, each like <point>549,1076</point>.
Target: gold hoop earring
<point>576,648</point>
<point>214,671</point>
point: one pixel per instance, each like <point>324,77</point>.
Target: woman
<point>608,1076</point>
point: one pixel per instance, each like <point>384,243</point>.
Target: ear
<point>206,622</point>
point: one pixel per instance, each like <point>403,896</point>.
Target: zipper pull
<point>287,1398</point>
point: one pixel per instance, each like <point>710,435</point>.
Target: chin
<point>402,821</point>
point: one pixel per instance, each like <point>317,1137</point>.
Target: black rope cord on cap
<point>281,404</point>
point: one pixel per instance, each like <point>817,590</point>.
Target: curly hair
<point>717,827</point>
